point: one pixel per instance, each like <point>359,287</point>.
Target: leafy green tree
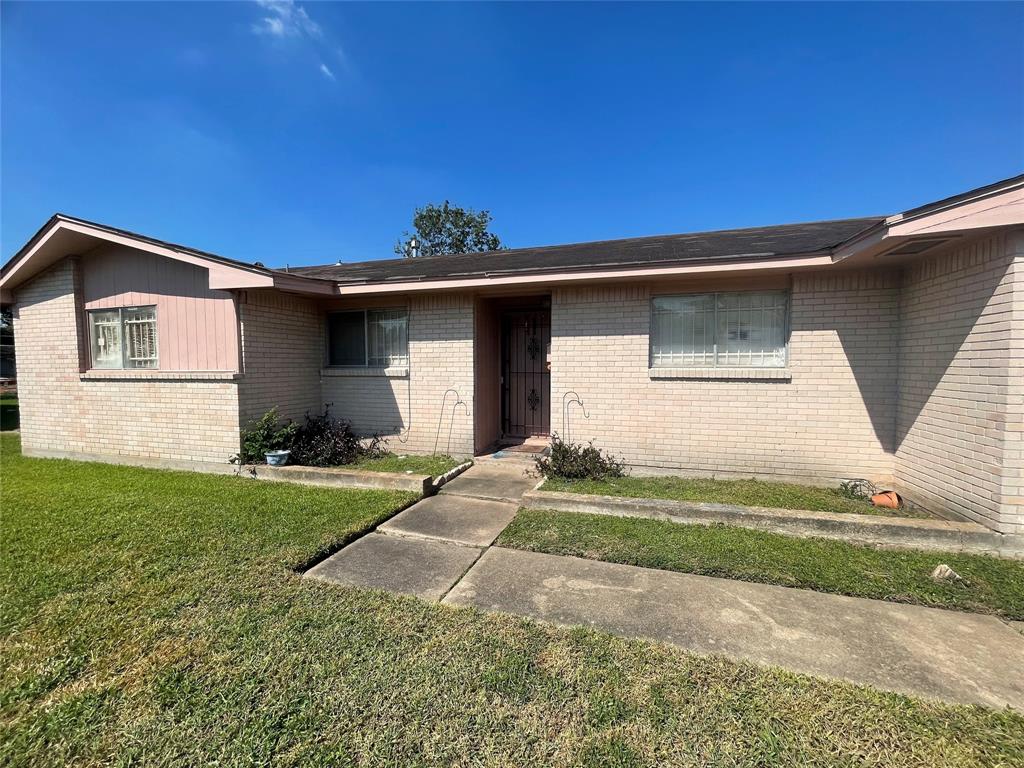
<point>445,229</point>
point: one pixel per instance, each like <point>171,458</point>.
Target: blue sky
<point>306,133</point>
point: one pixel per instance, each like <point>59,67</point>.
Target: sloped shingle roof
<point>722,245</point>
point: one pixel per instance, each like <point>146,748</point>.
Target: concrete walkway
<point>426,549</point>
<point>949,655</point>
<point>440,549</point>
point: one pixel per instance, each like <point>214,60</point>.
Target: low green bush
<point>579,462</point>
<point>263,435</point>
<point>320,441</point>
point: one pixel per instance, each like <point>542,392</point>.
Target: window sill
<point>745,374</point>
<point>394,372</point>
<point>118,374</point>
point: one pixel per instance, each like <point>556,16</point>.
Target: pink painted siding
<point>197,328</point>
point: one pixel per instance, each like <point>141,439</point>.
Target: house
<point>888,347</point>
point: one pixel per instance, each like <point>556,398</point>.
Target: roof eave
<point>585,275</point>
<point>994,207</point>
<point>43,250</point>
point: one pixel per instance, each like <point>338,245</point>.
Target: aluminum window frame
<point>123,337</point>
<point>366,337</point>
<point>714,364</point>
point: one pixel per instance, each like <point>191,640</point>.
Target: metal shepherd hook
<point>565,412</point>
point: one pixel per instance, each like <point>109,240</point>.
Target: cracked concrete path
<point>440,549</point>
<point>427,548</point>
<point>959,657</point>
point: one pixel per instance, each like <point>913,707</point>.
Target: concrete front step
<point>494,480</point>
<point>448,517</point>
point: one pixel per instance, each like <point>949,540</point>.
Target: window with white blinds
<point>387,337</point>
<point>124,338</point>
<point>719,330</point>
<point>378,338</point>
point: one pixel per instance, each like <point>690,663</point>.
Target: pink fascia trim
<point>221,276</point>
<point>556,278</point>
<point>1002,209</point>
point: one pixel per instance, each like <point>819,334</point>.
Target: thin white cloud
<point>287,25</point>
<point>286,19</point>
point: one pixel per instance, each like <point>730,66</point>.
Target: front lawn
<point>417,465</point>
<point>153,618</point>
<point>991,585</point>
<point>747,492</point>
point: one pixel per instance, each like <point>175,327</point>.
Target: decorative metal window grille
<point>725,330</point>
<point>387,336</point>
<point>377,338</point>
<point>124,338</point>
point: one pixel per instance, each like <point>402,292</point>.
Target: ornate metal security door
<point>526,376</point>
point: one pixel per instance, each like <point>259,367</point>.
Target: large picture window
<point>719,330</point>
<point>124,337</point>
<point>378,338</point>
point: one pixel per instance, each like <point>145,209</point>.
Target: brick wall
<point>835,416</point>
<point>961,382</point>
<point>1012,512</point>
<point>282,351</point>
<point>440,358</point>
<point>63,413</point>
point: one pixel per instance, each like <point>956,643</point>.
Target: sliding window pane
<point>140,337</point>
<point>681,331</point>
<point>346,338</point>
<point>751,330</point>
<point>105,332</point>
<point>387,330</point>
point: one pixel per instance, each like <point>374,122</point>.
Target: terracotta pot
<point>887,499</point>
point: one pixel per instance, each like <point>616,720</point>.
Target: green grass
<point>990,585</point>
<point>417,465</point>
<point>748,492</point>
<point>8,412</point>
<point>153,618</point>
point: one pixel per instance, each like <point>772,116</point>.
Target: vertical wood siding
<point>197,328</point>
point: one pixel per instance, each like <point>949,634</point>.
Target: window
<point>378,338</point>
<point>719,330</point>
<point>123,338</point>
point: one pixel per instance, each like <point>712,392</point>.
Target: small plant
<point>375,448</point>
<point>323,441</point>
<point>265,434</point>
<point>858,490</point>
<point>579,462</point>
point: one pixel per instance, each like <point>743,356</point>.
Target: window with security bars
<point>386,337</point>
<point>124,338</point>
<point>720,330</point>
<point>378,338</point>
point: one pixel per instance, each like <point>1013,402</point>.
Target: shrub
<point>579,462</point>
<point>320,441</point>
<point>264,435</point>
<point>323,441</point>
<point>375,448</point>
<point>858,490</point>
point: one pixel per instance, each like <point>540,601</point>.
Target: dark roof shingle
<point>721,245</point>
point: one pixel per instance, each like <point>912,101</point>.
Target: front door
<point>526,373</point>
